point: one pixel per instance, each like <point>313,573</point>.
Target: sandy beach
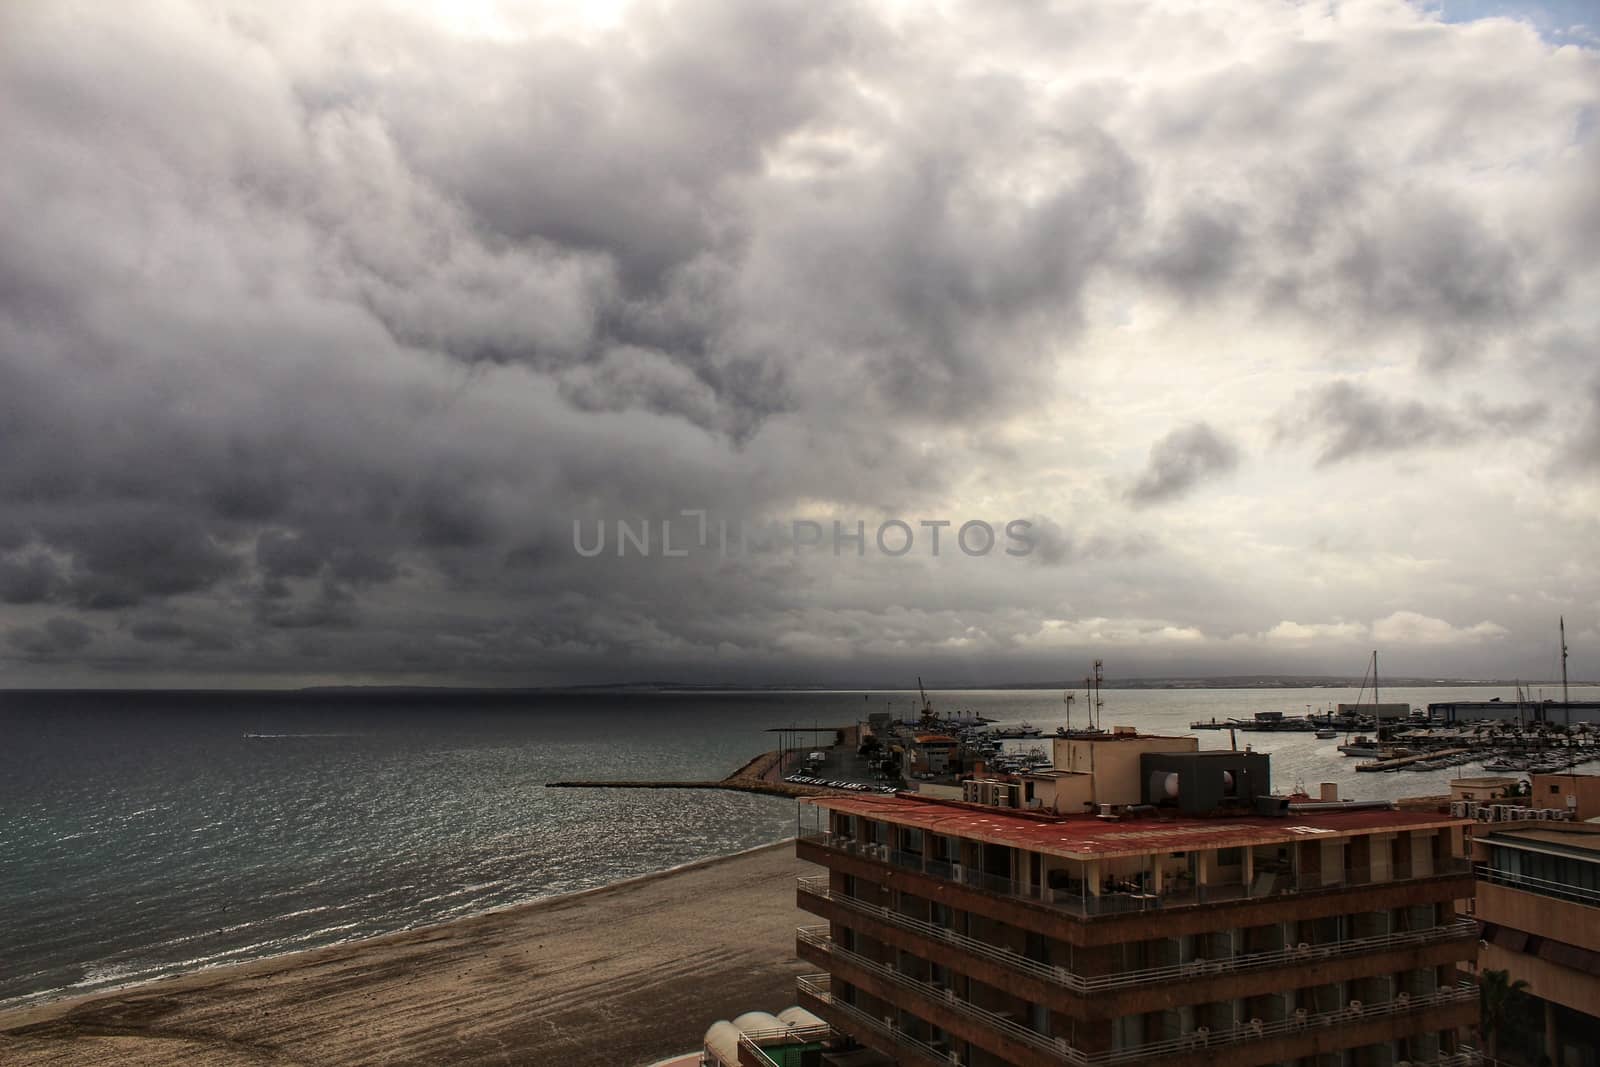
<point>618,976</point>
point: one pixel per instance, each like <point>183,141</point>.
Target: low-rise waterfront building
<point>1199,920</point>
<point>1538,900</point>
<point>1576,794</point>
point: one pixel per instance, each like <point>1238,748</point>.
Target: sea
<point>142,834</point>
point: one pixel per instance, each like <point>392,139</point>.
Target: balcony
<point>1558,890</point>
<point>1057,1049</point>
<point>1089,905</point>
<point>1459,930</point>
<point>753,1044</point>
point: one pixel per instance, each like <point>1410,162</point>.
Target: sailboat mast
<point>1376,698</point>
<point>1564,698</point>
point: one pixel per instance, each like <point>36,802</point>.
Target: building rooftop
<point>1090,837</point>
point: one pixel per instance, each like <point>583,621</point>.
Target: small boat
<point>1327,733</point>
<point>1017,732</point>
<point>1362,746</point>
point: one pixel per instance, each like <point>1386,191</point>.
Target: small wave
<point>293,737</point>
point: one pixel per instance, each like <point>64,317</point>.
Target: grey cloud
<point>1198,253</point>
<point>28,579</point>
<point>1352,420</point>
<point>1582,450</point>
<point>1182,460</point>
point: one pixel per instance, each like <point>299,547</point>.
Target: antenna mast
<point>1376,699</point>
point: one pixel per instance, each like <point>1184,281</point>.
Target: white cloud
<point>1411,628</point>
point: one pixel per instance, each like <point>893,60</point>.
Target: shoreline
<point>41,1001</point>
<point>513,972</point>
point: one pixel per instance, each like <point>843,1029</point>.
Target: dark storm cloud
<point>59,636</point>
<point>157,630</point>
<point>1351,420</point>
<point>318,329</point>
<point>124,557</point>
<point>1182,460</point>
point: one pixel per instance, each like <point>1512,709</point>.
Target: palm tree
<point>1496,991</point>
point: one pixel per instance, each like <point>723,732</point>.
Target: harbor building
<point>1527,712</point>
<point>1200,920</point>
<point>1538,901</point>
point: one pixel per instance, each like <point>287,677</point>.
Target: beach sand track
<point>618,976</point>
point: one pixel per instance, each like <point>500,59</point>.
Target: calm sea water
<point>141,835</point>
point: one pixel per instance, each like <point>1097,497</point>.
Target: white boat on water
<point>1361,746</point>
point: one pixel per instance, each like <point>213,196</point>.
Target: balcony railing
<point>1458,930</point>
<point>1059,1049</point>
<point>755,1041</point>
<point>1088,905</point>
<point>820,986</point>
<point>1577,894</point>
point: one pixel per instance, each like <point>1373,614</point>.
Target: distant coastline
<point>500,693</point>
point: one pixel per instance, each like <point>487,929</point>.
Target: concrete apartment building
<point>1200,921</point>
<point>1539,904</point>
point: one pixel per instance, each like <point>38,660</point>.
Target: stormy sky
<point>333,335</point>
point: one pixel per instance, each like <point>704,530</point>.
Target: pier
<point>763,775</point>
<point>1398,762</point>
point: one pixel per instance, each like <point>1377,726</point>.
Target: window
<point>1554,789</point>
